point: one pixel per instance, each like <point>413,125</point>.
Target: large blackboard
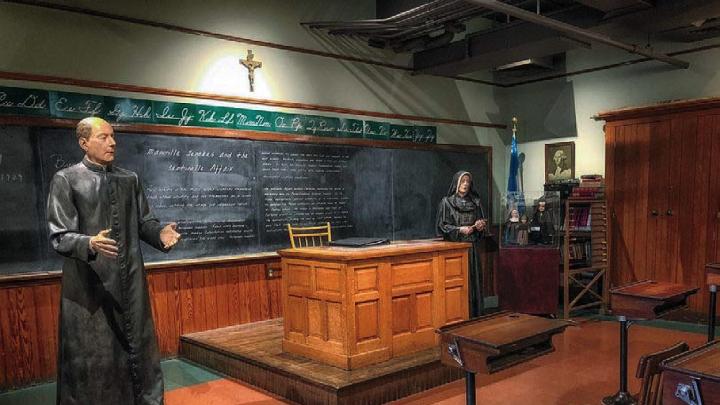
<point>232,197</point>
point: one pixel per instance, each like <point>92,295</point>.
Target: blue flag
<point>512,186</point>
<point>515,197</point>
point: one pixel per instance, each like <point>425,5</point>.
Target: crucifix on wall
<point>251,65</point>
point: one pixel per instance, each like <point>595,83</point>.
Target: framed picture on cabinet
<point>559,161</point>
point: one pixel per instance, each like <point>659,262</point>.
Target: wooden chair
<point>304,236</point>
<point>650,372</point>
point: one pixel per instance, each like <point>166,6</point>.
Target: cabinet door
<point>693,201</point>
<point>629,172</point>
<point>699,225</point>
<point>710,124</point>
<point>662,184</point>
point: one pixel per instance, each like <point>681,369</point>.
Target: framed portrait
<point>559,161</point>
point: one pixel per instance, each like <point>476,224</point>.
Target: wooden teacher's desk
<point>352,307</point>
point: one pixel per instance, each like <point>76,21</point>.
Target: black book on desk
<point>359,242</point>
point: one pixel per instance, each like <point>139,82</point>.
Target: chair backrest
<point>304,236</point>
<point>650,372</point>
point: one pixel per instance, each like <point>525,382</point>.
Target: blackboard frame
<point>43,122</point>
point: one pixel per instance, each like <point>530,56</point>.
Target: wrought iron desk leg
<point>622,397</point>
<point>711,312</point>
<point>469,388</point>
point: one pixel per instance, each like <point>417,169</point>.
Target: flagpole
<point>520,168</point>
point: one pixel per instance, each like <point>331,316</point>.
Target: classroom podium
<point>693,377</point>
<point>642,300</point>
<point>353,307</point>
<point>495,342</point>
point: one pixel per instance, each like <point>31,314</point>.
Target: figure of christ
<point>251,65</point>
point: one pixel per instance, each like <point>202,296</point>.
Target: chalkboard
<point>230,196</point>
<point>20,225</point>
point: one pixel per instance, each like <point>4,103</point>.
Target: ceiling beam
<point>576,31</point>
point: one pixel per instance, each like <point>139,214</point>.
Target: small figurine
<point>542,228</point>
<point>511,227</point>
<point>522,232</point>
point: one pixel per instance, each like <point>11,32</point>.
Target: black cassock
<point>453,212</point>
<point>108,349</point>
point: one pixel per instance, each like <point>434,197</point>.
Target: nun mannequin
<point>461,218</point>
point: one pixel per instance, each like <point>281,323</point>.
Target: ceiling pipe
<point>405,15</point>
<point>573,30</point>
<point>404,26</point>
<point>426,19</point>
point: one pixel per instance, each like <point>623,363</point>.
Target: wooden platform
<point>252,353</point>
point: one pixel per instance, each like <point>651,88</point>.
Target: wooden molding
<point>49,277</point>
<point>244,134</point>
<point>245,259</point>
<point>672,107</point>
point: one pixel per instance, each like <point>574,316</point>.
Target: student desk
<point>352,307</point>
<point>495,342</point>
<point>693,377</point>
<point>643,300</point>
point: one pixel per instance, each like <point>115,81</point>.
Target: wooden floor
<point>582,370</point>
<point>252,353</point>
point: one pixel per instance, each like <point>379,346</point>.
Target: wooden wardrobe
<point>663,192</point>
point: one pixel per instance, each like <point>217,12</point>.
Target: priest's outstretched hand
<point>169,235</point>
<point>103,244</point>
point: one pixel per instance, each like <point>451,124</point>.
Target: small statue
<point>511,227</point>
<point>522,232</point>
<point>542,227</point>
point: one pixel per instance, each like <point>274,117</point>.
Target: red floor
<point>582,370</point>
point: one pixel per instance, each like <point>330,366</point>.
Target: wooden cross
<point>251,65</point>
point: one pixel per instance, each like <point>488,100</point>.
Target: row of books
<point>591,187</point>
<point>579,251</point>
<point>579,218</point>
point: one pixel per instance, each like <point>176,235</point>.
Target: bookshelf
<point>585,255</point>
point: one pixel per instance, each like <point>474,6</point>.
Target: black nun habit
<point>454,212</point>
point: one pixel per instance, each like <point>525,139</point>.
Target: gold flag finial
<point>514,121</point>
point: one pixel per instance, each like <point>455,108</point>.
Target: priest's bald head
<point>97,138</point>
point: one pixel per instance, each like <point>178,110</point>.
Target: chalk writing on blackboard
<point>127,109</point>
<point>352,128</point>
<point>59,161</point>
<point>194,197</point>
<point>199,232</point>
<point>258,121</point>
<point>298,166</point>
<point>30,102</point>
<point>89,107</point>
<point>182,117</point>
<point>305,205</point>
<point>320,126</point>
<point>58,104</point>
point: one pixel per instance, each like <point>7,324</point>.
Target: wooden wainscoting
<point>28,332</point>
<point>184,299</point>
